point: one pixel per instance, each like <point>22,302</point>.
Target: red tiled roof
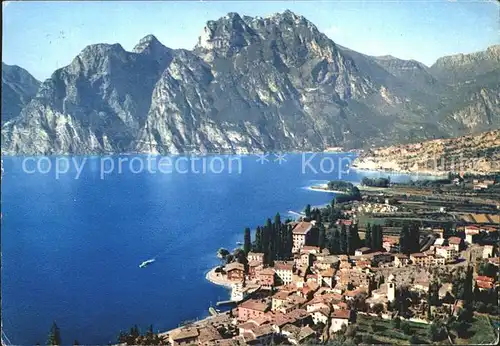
<point>344,314</point>
<point>328,273</point>
<point>302,228</point>
<point>454,240</point>
<point>484,284</point>
<point>267,271</point>
<point>255,305</point>
<point>234,266</point>
<point>283,265</point>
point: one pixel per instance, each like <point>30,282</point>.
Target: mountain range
<point>250,84</point>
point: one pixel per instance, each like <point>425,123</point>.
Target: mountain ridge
<point>249,84</point>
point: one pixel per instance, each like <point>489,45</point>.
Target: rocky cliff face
<point>18,88</point>
<point>463,68</point>
<point>250,84</point>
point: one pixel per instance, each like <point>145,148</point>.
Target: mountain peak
<point>146,42</point>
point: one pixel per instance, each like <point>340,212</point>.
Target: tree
<point>343,240</point>
<point>436,331</point>
<point>355,240</point>
<point>433,294</point>
<point>404,239</point>
<point>54,335</point>
<point>467,286</point>
<point>368,236</point>
<point>376,237</point>
<point>396,322</point>
<point>321,237</point>
<point>414,340</point>
<point>307,211</point>
<point>405,327</point>
<point>247,245</point>
<point>367,339</point>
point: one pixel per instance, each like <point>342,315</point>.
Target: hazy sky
<point>44,36</point>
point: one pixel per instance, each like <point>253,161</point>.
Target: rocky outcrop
<point>250,84</point>
<point>474,153</point>
<point>18,88</point>
<point>464,68</point>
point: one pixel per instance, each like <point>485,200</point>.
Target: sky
<point>44,36</point>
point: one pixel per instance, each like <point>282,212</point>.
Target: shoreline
<point>431,172</point>
<point>217,278</point>
<point>323,188</point>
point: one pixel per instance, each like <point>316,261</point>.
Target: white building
<point>300,234</point>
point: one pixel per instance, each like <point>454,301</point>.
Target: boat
<point>145,263</point>
<point>239,243</point>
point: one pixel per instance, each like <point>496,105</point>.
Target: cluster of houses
<point>482,184</point>
<point>297,298</point>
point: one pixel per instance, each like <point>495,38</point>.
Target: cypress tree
<point>350,241</point>
<point>271,242</point>
<point>54,335</point>
<point>468,292</point>
<point>377,238</point>
<point>368,236</point>
<point>321,237</point>
<point>404,240</point>
<point>278,236</point>
<point>334,241</point>
<point>258,240</point>
<point>265,244</point>
<point>355,237</point>
<point>247,245</point>
<point>289,241</point>
<point>307,211</point>
<point>343,240</point>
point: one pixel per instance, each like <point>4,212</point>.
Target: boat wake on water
<point>146,263</point>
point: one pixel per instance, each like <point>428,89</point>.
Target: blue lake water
<point>71,247</point>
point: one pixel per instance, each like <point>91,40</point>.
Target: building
<point>401,260</point>
<point>279,300</point>
<point>439,232</point>
<point>326,277</point>
<point>488,251</point>
<point>284,271</point>
<point>426,260</point>
<point>253,268</point>
<point>356,277</point>
<point>456,243</point>
<point>440,242</point>
<point>235,271</point>
<point>447,252</point>
<point>380,257</point>
<point>326,262</point>
<point>255,256</point>
<point>362,251</point>
<point>300,235</point>
<point>303,259</point>
<point>266,278</point>
<point>484,283</point>
<point>252,309</point>
<point>390,244</point>
<point>339,318</point>
<point>184,336</point>
<point>470,233</point>
<point>321,315</point>
<point>313,250</point>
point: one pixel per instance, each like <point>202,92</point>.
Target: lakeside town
<point>383,263</point>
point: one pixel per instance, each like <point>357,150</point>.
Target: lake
<point>71,248</point>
